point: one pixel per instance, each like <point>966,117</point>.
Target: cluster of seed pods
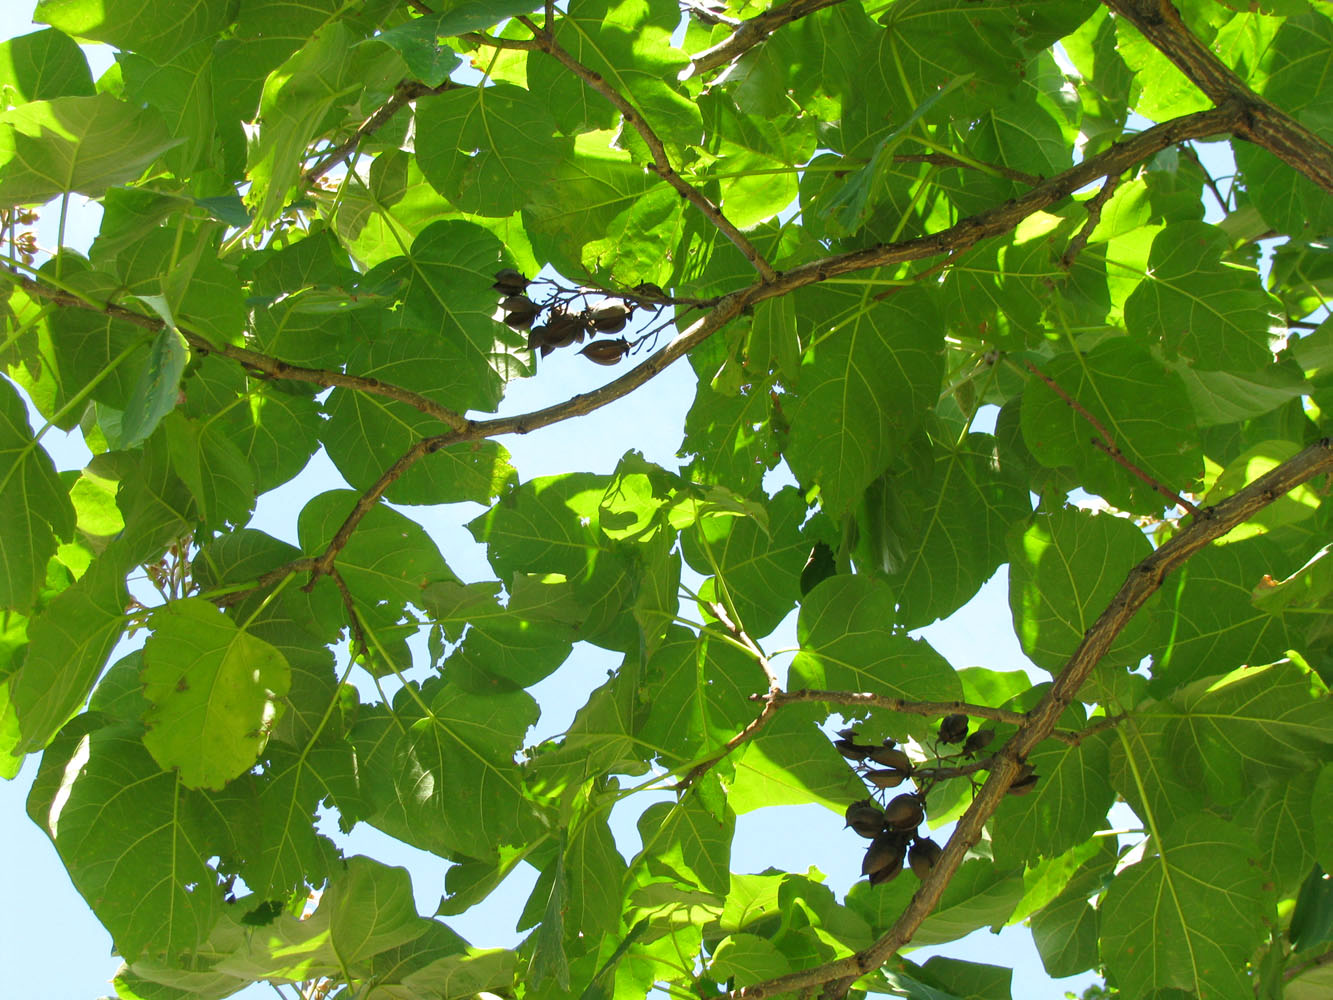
<point>554,324</point>
<point>893,827</point>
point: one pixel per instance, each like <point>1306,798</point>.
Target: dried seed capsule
<point>509,282</point>
<point>978,741</point>
<point>953,728</point>
<point>885,778</point>
<point>563,330</point>
<point>519,311</point>
<point>852,751</point>
<point>904,812</point>
<point>1025,782</point>
<point>924,854</point>
<point>606,352</point>
<point>884,857</point>
<point>891,757</point>
<point>865,818</point>
<point>608,315</point>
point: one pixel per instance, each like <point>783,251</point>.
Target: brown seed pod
<point>852,751</point>
<point>891,757</point>
<point>978,741</point>
<point>608,315</point>
<point>884,857</point>
<point>563,330</point>
<point>885,778</point>
<point>606,352</point>
<point>1025,782</point>
<point>953,728</point>
<point>519,311</point>
<point>509,282</point>
<point>925,852</point>
<point>904,812</point>
<point>865,818</point>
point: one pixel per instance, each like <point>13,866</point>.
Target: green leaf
<point>75,144</point>
<point>747,959</point>
<point>35,508</point>
<point>872,370</point>
<point>792,762</point>
<point>366,434</point>
<point>685,842</point>
<point>451,774</point>
<point>756,568</point>
<point>1063,570</point>
<point>953,523</point>
<point>159,385</point>
<point>1231,732</point>
<point>485,148</point>
<point>848,644</point>
<point>1188,916</point>
<point>214,688</point>
<point>628,43</point>
<point>371,910</point>
<point>158,28</point>
<point>43,65</point>
<point>1067,807</point>
<point>131,838</point>
<point>296,99</point>
<point>389,557</point>
<point>69,644</point>
<point>1137,401</point>
<point>1199,307</point>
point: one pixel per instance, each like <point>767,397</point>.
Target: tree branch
<point>661,164</point>
<point>750,33</point>
<point>1140,584</point>
<point>1262,123</point>
<point>249,359</point>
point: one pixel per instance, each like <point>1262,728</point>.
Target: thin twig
<point>1093,206</point>
<point>1193,157</point>
<point>1140,584</point>
<point>1105,442</point>
<point>661,163</point>
<point>751,32</point>
<point>945,160</point>
<point>358,635</point>
<point>403,94</point>
<point>770,699</point>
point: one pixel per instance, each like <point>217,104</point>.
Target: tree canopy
<point>943,264</point>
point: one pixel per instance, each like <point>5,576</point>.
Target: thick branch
<point>1263,124</point>
<point>252,360</point>
<point>661,164</point>
<point>1143,580</point>
<point>750,33</point>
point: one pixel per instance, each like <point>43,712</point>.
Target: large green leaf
<point>158,28</point>
<point>1138,402</point>
<point>848,643</point>
<point>1064,568</point>
<point>75,144</point>
<point>628,43</point>
<point>871,371</point>
<point>68,647</point>
<point>214,690</point>
<point>134,842</point>
<point>35,508</point>
<point>43,65</point>
<point>1187,916</point>
<point>486,148</point>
